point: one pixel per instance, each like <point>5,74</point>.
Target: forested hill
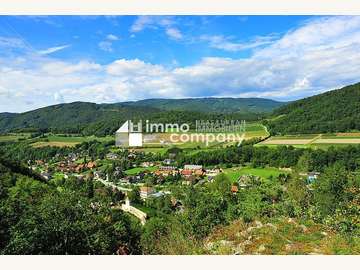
<point>73,117</point>
<point>212,105</point>
<point>333,111</point>
<point>100,119</point>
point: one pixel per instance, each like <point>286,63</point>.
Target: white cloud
<point>226,43</point>
<point>53,49</point>
<point>106,46</point>
<point>112,37</point>
<point>319,55</point>
<point>157,22</point>
<point>141,23</point>
<point>174,33</point>
<point>9,42</point>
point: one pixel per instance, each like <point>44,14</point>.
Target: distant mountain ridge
<point>333,111</point>
<point>211,105</point>
<point>101,119</point>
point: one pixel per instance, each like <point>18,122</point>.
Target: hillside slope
<point>102,119</point>
<point>212,105</point>
<point>74,117</point>
<point>333,111</point>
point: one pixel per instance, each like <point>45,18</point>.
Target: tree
<point>329,189</point>
<point>134,195</point>
<point>303,164</point>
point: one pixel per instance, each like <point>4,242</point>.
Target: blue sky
<point>46,60</point>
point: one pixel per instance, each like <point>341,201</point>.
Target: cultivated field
<point>314,140</point>
<point>67,141</point>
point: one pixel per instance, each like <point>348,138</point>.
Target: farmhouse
<point>186,173</point>
<point>146,192</point>
<point>193,167</point>
<point>213,172</point>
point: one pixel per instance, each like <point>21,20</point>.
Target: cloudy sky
<point>106,59</point>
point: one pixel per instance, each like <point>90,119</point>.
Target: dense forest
<point>103,119</point>
<point>61,217</point>
<point>212,105</point>
<point>333,111</point>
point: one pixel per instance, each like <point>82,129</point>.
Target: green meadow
<point>235,173</point>
<point>137,170</point>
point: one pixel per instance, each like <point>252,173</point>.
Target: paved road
<point>110,184</point>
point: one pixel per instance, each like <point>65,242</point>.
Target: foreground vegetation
<point>279,212</point>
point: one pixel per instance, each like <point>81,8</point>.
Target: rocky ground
<point>281,236</point>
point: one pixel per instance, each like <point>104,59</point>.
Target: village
<point>128,171</point>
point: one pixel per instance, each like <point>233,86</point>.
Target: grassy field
<point>255,130</point>
<point>70,141</point>
<point>137,170</point>
<point>235,173</point>
<point>13,137</point>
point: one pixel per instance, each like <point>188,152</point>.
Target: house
<point>91,165</point>
<point>72,157</point>
<point>147,164</point>
<point>213,172</point>
<point>234,189</point>
<point>167,168</point>
<point>79,168</point>
<point>146,192</point>
<point>193,167</point>
<point>199,172</point>
<point>168,161</point>
<point>112,156</point>
<point>312,176</point>
<point>186,173</point>
<point>166,171</point>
